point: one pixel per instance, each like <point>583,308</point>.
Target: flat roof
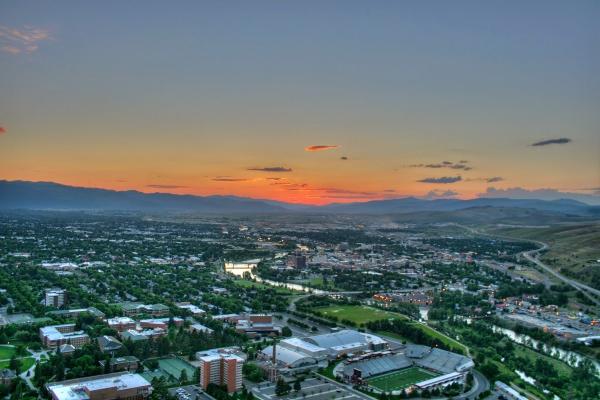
<point>75,389</point>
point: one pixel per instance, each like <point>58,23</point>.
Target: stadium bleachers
<point>377,366</point>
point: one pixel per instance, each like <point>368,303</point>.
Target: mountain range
<point>24,195</point>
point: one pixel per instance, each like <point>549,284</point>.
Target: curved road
<point>532,255</point>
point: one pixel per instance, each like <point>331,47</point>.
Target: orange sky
<point>399,100</point>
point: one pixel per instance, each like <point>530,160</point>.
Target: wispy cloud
<point>270,169</point>
<point>160,186</point>
<point>2,130</point>
<point>488,180</point>
<point>551,141</point>
<point>228,179</point>
<point>321,147</point>
<point>443,179</point>
<point>462,165</point>
<point>21,40</point>
<point>440,194</point>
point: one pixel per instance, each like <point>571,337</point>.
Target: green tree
<point>282,388</point>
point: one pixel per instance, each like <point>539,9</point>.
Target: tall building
<point>55,298</point>
<point>296,260</point>
<point>221,367</point>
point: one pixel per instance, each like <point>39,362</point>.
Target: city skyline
<point>303,102</point>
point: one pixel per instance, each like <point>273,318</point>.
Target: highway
<point>532,255</point>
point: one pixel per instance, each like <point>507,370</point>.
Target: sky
<point>304,101</point>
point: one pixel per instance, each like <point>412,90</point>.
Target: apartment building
<point>221,367</point>
<point>55,297</point>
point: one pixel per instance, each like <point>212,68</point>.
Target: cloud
<point>552,141</point>
<point>343,158</point>
<point>228,179</point>
<point>270,169</point>
<point>159,186</point>
<point>488,180</point>
<point>25,40</point>
<point>443,179</point>
<point>541,194</point>
<point>440,194</point>
<point>2,130</point>
<point>445,164</point>
<point>274,179</point>
<point>321,147</point>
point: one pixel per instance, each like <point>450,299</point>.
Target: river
<point>569,357</point>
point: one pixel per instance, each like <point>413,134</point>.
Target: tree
<point>15,364</point>
<point>282,388</point>
<point>286,331</point>
<point>297,386</point>
<point>183,377</point>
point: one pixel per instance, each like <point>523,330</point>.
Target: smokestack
<point>274,358</point>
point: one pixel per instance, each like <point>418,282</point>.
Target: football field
<point>399,380</point>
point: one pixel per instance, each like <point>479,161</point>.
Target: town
<point>113,307</point>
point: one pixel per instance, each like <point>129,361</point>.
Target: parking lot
<point>191,392</point>
<point>312,389</point>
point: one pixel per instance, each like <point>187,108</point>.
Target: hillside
<point>574,249</point>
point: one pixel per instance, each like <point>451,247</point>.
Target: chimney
<point>274,358</point>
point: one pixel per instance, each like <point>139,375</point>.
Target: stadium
<point>414,367</point>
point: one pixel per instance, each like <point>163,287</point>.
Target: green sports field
<point>402,379</point>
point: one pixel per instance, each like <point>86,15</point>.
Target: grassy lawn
<point>6,352</point>
<point>358,314</point>
<point>398,380</point>
<point>440,336</point>
<point>561,367</point>
<point>258,285</point>
<point>26,363</point>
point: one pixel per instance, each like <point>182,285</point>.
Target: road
<point>532,256</point>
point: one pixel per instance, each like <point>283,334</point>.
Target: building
<point>109,344</point>
<point>195,310</point>
<point>125,363</point>
<point>507,392</point>
<point>56,335</point>
<point>440,382</point>
<point>304,347</point>
<point>146,334</point>
<point>200,328</point>
<point>55,298</point>
<point>66,350</point>
<point>121,385</point>
<point>347,342</point>
<point>74,313</point>
<point>162,323</point>
<point>121,324</point>
<point>7,376</point>
<point>296,260</point>
<point>154,310</point>
<point>221,367</point>
<point>257,325</point>
<point>288,361</point>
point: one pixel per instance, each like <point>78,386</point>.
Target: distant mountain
<point>412,205</point>
<point>54,196</point>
